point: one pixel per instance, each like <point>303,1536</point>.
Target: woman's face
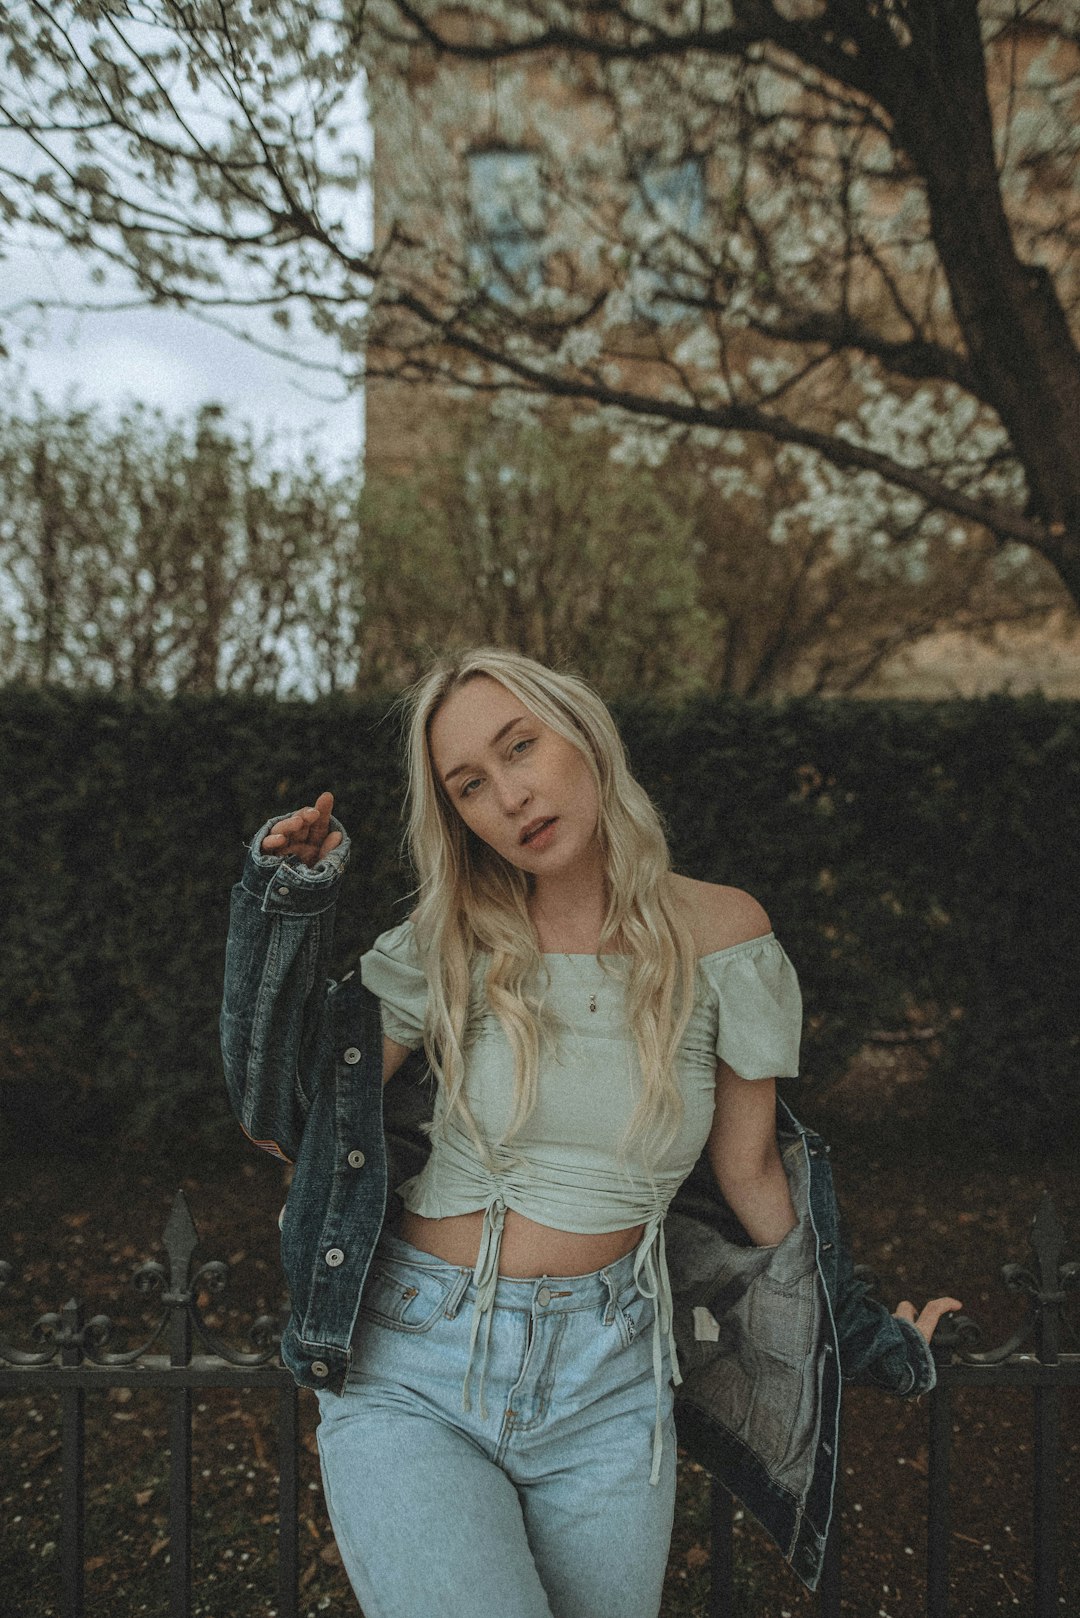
<point>519,785</point>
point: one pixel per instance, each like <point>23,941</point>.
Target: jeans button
<point>543,1297</point>
<point>334,1257</point>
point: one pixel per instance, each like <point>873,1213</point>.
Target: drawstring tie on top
<point>485,1279</point>
<point>652,1281</point>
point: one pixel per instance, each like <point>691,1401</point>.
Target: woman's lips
<point>542,836</point>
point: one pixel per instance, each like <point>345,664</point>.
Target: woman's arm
<point>746,1163</point>
<point>275,1026</point>
<point>307,835</point>
<point>745,1156</point>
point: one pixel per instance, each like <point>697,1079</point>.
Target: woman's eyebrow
<point>518,719</point>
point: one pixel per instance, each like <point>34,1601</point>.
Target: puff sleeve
<point>758,1008</point>
<point>391,970</point>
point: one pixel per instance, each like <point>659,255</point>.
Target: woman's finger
<point>931,1315</point>
<point>284,833</point>
<point>928,1318</point>
<point>302,832</point>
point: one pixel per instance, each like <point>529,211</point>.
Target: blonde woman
<point>495,1346</point>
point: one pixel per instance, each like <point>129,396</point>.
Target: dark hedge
<point>921,863</point>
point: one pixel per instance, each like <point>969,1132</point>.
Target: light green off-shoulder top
<point>562,1167</point>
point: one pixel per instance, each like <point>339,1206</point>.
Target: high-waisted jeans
<point>542,1508</point>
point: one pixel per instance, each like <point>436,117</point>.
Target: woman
<point>496,1427</point>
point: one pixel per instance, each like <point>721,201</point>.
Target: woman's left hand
<point>928,1319</point>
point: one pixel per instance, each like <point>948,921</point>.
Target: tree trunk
<point>1016,332</point>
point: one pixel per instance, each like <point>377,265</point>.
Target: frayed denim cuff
<point>287,886</point>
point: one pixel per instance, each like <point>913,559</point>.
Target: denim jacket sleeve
<point>275,1026</point>
<point>876,1347</point>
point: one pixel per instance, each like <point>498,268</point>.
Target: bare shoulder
<point>719,916</point>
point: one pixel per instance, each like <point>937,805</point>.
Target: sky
<point>167,358</point>
<point>161,357</point>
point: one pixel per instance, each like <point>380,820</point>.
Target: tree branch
<point>526,375</point>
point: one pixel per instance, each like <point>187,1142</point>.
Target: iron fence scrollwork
<point>73,1355</point>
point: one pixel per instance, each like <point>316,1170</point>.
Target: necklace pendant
<point>592,1002</point>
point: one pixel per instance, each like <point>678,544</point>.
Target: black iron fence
<point>72,1356</point>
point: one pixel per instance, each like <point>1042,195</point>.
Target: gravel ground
<point>927,1224</point>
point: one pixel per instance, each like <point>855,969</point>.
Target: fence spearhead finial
<point>1047,1242</point>
<point>181,1239</point>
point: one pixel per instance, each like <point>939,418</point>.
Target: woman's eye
<point>526,741</point>
<point>465,789</point>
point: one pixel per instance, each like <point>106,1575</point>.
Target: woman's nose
<point>513,795</point>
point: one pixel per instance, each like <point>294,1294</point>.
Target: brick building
<point>466,185</point>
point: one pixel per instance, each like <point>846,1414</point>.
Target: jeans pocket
<point>634,1316</point>
<point>404,1297</point>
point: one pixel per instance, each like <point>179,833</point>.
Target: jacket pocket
<point>404,1297</point>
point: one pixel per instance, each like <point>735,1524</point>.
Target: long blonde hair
<point>470,899</point>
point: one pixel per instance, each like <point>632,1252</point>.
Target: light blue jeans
<point>540,1509</point>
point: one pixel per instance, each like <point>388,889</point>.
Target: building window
<point>668,204</point>
<point>507,222</point>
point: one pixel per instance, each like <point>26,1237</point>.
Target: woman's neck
<point>568,914</point>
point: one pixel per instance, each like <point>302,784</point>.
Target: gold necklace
<point>567,956</point>
<point>570,959</point>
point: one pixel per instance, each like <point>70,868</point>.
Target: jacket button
<point>334,1257</point>
<point>826,1247</point>
<point>828,1348</point>
<point>356,1159</point>
<point>283,893</point>
<point>320,1368</point>
<point>352,1056</point>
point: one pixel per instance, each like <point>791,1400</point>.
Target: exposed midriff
<point>528,1249</point>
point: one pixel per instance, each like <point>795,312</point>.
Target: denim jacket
<point>765,1335</point>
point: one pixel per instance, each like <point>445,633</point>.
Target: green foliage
<point>920,862</point>
<point>146,555</point>
<point>117,896</point>
<point>533,537</point>
<point>142,554</point>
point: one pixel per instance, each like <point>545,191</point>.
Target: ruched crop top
<point>562,1167</point>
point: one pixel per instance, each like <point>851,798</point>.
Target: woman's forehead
<point>469,719</point>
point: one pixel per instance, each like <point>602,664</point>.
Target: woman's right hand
<point>306,833</point>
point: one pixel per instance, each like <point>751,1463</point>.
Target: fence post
<point>722,1549</point>
<point>72,1466</point>
<point>288,1501</point>
<point>1047,1240</point>
<point>180,1243</point>
<point>937,1527</point>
